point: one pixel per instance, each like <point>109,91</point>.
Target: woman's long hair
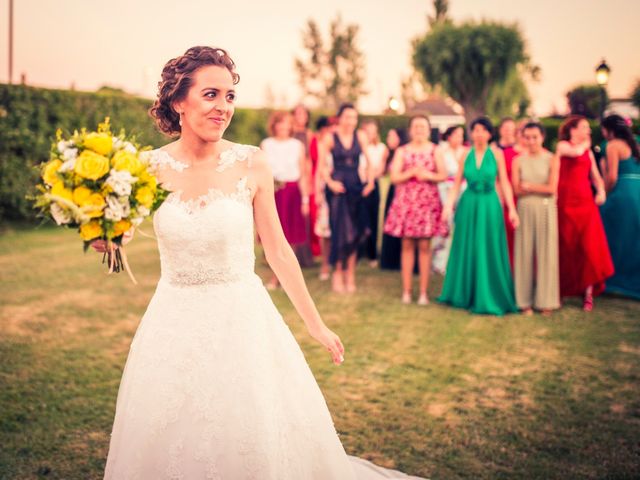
<point>616,126</point>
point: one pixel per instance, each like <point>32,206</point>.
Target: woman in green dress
<point>478,273</point>
<point>621,212</point>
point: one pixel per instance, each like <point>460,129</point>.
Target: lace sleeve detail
<point>159,159</point>
<point>237,153</point>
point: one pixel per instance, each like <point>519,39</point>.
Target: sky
<point>125,43</point>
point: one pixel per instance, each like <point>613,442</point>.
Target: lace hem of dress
<point>242,195</point>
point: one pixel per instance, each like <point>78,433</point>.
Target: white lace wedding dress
<point>215,385</point>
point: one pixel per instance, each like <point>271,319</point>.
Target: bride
<point>215,386</point>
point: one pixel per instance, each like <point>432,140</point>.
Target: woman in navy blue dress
<point>340,155</point>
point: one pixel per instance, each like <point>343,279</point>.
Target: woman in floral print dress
<point>416,210</point>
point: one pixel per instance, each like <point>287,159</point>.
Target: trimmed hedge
<point>30,116</point>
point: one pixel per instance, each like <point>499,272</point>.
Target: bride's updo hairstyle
<point>177,78</point>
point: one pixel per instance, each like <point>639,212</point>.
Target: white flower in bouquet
<point>60,215</point>
<point>70,154</point>
<point>64,145</point>
<point>117,143</point>
<point>145,156</point>
<point>67,166</point>
<point>129,147</point>
<point>141,213</point>
<point>120,181</point>
<point>116,210</point>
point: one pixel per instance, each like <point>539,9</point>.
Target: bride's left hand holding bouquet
<point>102,185</point>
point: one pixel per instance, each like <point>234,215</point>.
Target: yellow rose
<point>101,143</point>
<point>97,203</point>
<point>128,161</point>
<point>49,175</point>
<point>80,195</point>
<point>91,230</point>
<point>146,178</point>
<point>121,227</point>
<point>144,196</point>
<point>91,165</point>
<point>60,190</point>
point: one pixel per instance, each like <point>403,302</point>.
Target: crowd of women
<point>511,225</point>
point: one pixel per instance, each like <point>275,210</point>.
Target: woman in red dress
<point>507,143</point>
<point>585,261</point>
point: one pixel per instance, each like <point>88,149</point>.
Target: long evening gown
<point>215,385</point>
<point>478,273</point>
<point>621,220</point>
<point>584,252</point>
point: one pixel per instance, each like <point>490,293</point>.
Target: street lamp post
<point>602,77</point>
<point>10,41</point>
<point>394,105</point>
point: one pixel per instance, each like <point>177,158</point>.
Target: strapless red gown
<point>584,252</point>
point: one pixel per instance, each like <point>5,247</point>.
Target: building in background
<point>623,107</point>
<point>442,112</point>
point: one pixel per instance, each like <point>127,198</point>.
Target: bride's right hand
<point>101,245</point>
<point>330,341</point>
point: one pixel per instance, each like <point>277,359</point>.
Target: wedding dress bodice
<point>209,239</point>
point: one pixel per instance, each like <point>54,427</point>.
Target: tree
<point>470,59</point>
<point>635,94</point>
<point>511,98</point>
<point>587,100</point>
<point>441,8</point>
<point>333,73</point>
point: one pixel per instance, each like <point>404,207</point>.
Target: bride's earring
<point>180,119</point>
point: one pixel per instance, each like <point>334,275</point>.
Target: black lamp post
<point>602,77</point>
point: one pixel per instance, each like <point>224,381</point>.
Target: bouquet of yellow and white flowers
<point>102,185</point>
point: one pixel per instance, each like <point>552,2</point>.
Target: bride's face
<point>209,105</point>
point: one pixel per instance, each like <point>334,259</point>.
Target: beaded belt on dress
<point>204,277</point>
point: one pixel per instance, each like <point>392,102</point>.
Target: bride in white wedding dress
<point>215,385</point>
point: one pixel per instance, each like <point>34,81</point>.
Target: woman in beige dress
<point>535,181</point>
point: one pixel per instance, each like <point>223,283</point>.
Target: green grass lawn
<point>433,391</point>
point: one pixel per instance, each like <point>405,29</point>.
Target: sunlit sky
<point>124,44</point>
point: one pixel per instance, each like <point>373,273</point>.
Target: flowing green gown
<point>478,272</point>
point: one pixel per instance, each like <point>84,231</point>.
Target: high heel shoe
<point>587,303</point>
